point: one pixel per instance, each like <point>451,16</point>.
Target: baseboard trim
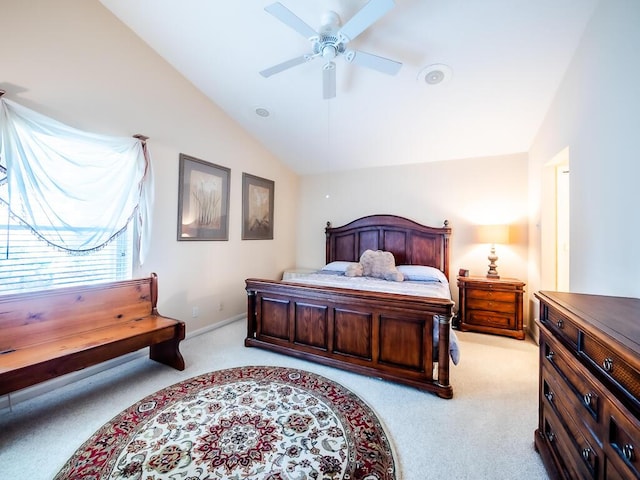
<point>8,401</point>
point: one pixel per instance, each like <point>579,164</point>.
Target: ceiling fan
<point>331,41</point>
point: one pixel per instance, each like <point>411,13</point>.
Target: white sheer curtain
<point>76,190</point>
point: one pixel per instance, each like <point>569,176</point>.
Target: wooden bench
<point>50,333</point>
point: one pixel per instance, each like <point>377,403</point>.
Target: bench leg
<point>168,353</point>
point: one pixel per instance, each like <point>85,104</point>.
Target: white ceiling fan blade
<point>381,64</point>
<point>365,17</point>
<point>289,18</point>
<point>284,66</point>
<point>329,81</point>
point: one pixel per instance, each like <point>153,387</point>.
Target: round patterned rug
<point>249,423</point>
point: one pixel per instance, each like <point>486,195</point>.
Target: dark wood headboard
<point>410,242</point>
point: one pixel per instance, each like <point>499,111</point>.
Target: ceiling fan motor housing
<point>327,44</point>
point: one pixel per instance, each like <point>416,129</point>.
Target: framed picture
<point>203,200</point>
<point>257,208</point>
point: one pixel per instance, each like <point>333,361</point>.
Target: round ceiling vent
<point>435,74</point>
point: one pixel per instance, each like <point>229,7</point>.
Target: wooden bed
<point>386,335</point>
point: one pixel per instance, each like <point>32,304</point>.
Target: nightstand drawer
<point>483,318</point>
<point>491,306</point>
<point>491,295</point>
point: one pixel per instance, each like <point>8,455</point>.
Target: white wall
<point>596,115</point>
<point>74,61</point>
<point>466,192</point>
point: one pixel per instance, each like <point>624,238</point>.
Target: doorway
<point>556,226</point>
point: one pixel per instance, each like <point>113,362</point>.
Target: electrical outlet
<point>195,311</point>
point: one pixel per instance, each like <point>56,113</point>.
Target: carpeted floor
<point>484,432</point>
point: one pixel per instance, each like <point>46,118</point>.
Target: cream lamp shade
<point>493,234</point>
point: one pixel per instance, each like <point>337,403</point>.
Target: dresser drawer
<point>612,366</point>
<point>564,447</point>
<point>583,444</point>
<point>560,395</point>
<point>561,326</point>
<point>578,379</point>
<point>612,473</point>
<point>623,441</point>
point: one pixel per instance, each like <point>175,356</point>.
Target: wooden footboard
<point>383,335</point>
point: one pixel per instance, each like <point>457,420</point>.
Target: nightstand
<point>491,306</point>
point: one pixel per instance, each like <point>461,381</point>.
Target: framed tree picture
<point>257,208</point>
<point>203,200</point>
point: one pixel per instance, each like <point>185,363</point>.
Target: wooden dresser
<point>491,306</point>
<point>589,398</point>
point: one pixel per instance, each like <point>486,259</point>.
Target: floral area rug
<point>247,423</point>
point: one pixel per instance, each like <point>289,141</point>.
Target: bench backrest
<point>36,317</point>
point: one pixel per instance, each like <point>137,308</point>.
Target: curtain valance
<point>74,189</point>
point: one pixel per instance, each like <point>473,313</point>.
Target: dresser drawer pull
<point>607,364</point>
<point>587,398</point>
<point>560,324</point>
<point>586,454</point>
<point>551,436</point>
<point>628,452</point>
<point>550,355</point>
<point>549,396</point>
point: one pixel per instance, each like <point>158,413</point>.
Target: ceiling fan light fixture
<point>435,74</point>
<point>329,52</point>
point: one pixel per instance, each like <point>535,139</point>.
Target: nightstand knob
<point>628,452</point>
<point>607,364</point>
<point>587,398</point>
<point>586,453</point>
<point>560,324</point>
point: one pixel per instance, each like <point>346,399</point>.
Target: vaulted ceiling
<point>502,60</point>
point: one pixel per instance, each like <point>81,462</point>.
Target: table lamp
<point>493,234</point>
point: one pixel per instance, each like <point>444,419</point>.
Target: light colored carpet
<point>484,432</point>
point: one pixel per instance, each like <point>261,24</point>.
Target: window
<point>28,263</point>
<point>71,203</point>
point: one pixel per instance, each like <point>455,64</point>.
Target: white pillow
<point>422,273</point>
<point>337,266</point>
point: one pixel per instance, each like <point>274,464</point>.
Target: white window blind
<point>28,263</point>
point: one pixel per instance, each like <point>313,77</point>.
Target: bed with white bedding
<point>431,286</point>
<point>396,330</point>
